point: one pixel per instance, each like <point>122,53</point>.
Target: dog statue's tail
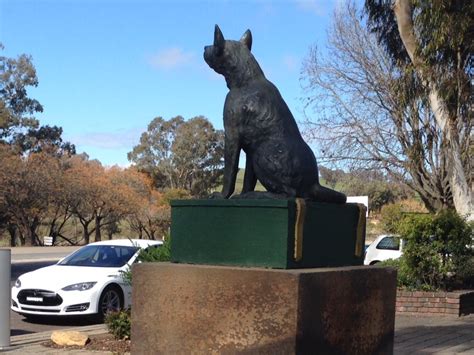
<point>323,194</point>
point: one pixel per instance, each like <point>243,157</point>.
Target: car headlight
<point>83,286</point>
<point>17,283</point>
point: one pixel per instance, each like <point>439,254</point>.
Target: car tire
<point>374,262</point>
<point>110,300</point>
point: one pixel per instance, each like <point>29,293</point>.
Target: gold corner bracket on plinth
<point>299,223</point>
<point>359,245</point>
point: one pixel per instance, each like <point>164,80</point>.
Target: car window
<point>100,256</point>
<point>389,243</point>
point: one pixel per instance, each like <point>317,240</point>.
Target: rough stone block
<point>183,309</point>
<point>69,338</point>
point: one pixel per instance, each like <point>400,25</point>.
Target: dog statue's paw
<point>216,196</point>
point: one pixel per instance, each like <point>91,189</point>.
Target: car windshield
<point>100,256</point>
<point>389,243</point>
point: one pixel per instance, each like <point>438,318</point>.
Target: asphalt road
<point>21,325</point>
<point>31,254</point>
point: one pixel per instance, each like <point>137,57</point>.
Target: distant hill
<point>240,181</point>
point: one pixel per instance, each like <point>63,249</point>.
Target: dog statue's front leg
<point>250,180</point>
<point>231,163</point>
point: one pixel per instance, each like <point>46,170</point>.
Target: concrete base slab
<point>179,308</point>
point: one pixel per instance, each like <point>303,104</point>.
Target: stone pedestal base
<point>184,309</point>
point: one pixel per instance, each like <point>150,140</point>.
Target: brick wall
<point>435,303</point>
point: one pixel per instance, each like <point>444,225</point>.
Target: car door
<point>389,248</point>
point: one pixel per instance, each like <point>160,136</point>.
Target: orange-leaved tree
<point>27,189</point>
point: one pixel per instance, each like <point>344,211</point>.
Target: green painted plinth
<point>261,233</point>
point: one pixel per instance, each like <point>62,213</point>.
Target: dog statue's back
<point>257,120</point>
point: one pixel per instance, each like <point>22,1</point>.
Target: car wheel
<point>374,262</point>
<point>111,300</point>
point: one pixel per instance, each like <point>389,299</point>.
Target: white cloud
<point>290,62</point>
<point>318,7</point>
<point>170,58</point>
<point>107,140</point>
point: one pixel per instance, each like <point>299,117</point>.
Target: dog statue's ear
<point>247,39</point>
<point>219,41</point>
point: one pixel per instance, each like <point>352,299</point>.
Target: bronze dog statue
<point>257,120</point>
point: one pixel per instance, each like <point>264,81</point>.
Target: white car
<point>384,247</point>
<point>88,281</point>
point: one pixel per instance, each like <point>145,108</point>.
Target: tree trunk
<point>98,236</point>
<point>462,193</point>
<point>28,231</point>
<point>12,231</point>
<point>85,232</point>
<point>21,237</point>
<point>30,239</point>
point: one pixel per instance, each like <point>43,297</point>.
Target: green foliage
<point>404,278</point>
<point>379,188</point>
<point>438,252</point>
<point>43,139</point>
<point>181,154</point>
<point>153,254</point>
<point>331,177</point>
<point>175,194</point>
<point>18,126</point>
<point>119,324</point>
<point>162,253</point>
<point>445,34</point>
<point>465,273</point>
<point>239,182</point>
<point>16,108</point>
<point>390,217</point>
<point>438,73</point>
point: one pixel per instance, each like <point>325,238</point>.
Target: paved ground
<point>29,344</point>
<point>413,335</point>
<point>434,335</point>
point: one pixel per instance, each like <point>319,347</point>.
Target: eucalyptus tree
<point>17,109</point>
<point>370,112</point>
<point>432,40</point>
<point>181,154</point>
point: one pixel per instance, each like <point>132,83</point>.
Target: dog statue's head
<point>228,57</point>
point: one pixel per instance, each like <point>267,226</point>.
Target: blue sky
<point>107,68</point>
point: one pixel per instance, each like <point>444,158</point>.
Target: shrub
<point>162,253</point>
<point>119,324</point>
<point>465,273</point>
<point>438,251</point>
<point>390,217</point>
<point>412,205</point>
<point>404,277</point>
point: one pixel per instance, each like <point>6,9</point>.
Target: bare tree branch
<point>364,112</point>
